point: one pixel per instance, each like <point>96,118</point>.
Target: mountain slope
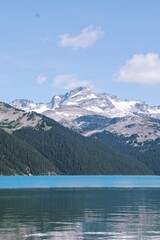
<point>148,153</point>
<point>66,150</point>
<point>75,154</point>
<point>19,158</point>
<point>130,127</point>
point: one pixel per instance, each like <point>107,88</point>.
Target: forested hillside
<point>147,153</point>
<point>19,158</point>
<point>37,145</point>
<point>72,153</point>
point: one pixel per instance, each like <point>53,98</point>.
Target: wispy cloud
<point>141,68</point>
<point>41,79</point>
<point>86,38</point>
<point>69,81</point>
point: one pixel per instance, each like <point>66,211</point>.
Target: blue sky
<point>48,47</point>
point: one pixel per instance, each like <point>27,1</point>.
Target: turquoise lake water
<point>79,181</point>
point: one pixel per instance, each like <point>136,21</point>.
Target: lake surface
<point>80,207</point>
<point>76,214</point>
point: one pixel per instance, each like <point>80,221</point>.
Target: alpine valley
<point>81,132</point>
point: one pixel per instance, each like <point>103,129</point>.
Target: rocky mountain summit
<point>88,113</point>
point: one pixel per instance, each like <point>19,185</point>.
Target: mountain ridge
<point>85,94</point>
<point>122,117</point>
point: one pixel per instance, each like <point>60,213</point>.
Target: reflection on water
<point>87,214</point>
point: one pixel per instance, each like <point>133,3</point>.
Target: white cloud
<point>41,79</point>
<point>141,68</point>
<point>69,81</point>
<point>87,37</point>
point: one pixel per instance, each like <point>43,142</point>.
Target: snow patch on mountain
<point>124,106</point>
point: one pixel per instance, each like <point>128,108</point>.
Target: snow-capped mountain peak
<point>83,101</point>
<point>28,105</point>
<point>74,97</point>
<point>23,103</point>
<point>89,112</point>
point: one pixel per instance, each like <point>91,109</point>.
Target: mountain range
<point>32,144</point>
<point>88,113</point>
<point>78,133</point>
